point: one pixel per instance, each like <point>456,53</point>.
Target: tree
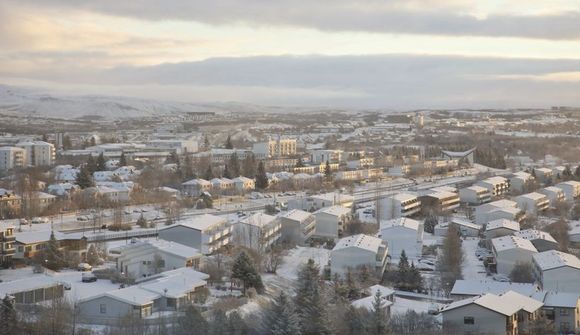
<point>92,255</point>
<point>123,160</point>
<point>299,163</point>
<point>412,323</point>
<point>187,171</point>
<point>8,321</point>
<point>227,173</point>
<point>249,166</point>
<point>355,323</point>
<point>206,143</point>
<point>560,232</point>
<point>191,320</point>
<point>234,165</point>
<point>403,272</point>
<point>309,301</point>
<point>451,258</point>
<point>229,144</point>
<point>66,142</point>
<point>219,323</point>
<point>93,141</point>
<point>415,278</point>
<point>172,158</point>
<point>84,178</point>
<point>261,177</point>
<point>91,164</point>
<point>430,223</point>
<point>53,257</point>
<point>101,163</point>
<point>244,270</point>
<point>379,316</point>
<point>209,173</point>
<point>577,172</point>
<point>328,171</point>
<point>237,325</point>
<point>142,222</point>
<point>281,317</point>
<point>522,273</point>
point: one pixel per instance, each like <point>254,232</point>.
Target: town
<point>439,221</point>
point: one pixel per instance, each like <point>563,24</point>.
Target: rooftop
<point>533,234</point>
<point>362,241</point>
<point>502,223</point>
<point>401,222</point>
<point>334,210</point>
<point>297,214</point>
<point>201,222</point>
<point>512,242</point>
<point>481,286</point>
<point>561,299</point>
<point>258,219</point>
<point>553,259</point>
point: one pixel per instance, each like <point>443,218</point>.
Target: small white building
<point>297,226</point>
<point>557,271</point>
<point>196,187</point>
<point>403,234</point>
<point>542,240</point>
<point>555,195</point>
<point>358,250</point>
<point>499,209</point>
<point>533,203</point>
<point>319,201</point>
<point>466,228</point>
<point>563,309</point>
<point>474,195</point>
<point>497,186</point>
<point>500,227</point>
<point>521,181</point>
<point>206,233</point>
<point>510,250</point>
<point>571,189</point>
<point>258,231</point>
<point>399,205</point>
<point>243,184</point>
<point>331,221</point>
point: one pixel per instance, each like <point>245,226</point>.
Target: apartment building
<point>274,148</point>
<point>322,156</point>
<point>541,240</point>
<point>359,250</point>
<point>439,202</point>
<point>7,245</point>
<point>500,209</point>
<point>318,201</point>
<point>557,271</point>
<point>196,187</point>
<point>206,233</point>
<point>402,234</point>
<point>509,251</point>
<point>571,189</point>
<point>12,158</point>
<point>297,226</point>
<point>555,195</point>
<point>399,205</point>
<point>544,175</point>
<point>10,203</point>
<point>38,153</point>
<point>331,221</point>
<point>497,186</point>
<point>243,184</point>
<point>500,227</point>
<point>533,203</point>
<point>521,181</point>
<point>563,310</point>
<point>474,195</point>
<point>258,231</point>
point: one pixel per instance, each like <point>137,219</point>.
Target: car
<point>501,278</point>
<point>144,210</point>
<point>427,261</point>
<point>84,267</point>
<point>83,218</point>
<point>128,212</point>
<point>39,220</point>
<point>88,277</point>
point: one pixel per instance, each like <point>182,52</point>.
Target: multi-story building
<point>331,221</point>
<point>399,205</point>
<point>542,240</point>
<point>196,187</point>
<point>500,227</point>
<point>275,148</point>
<point>206,233</point>
<point>297,226</point>
<point>7,245</point>
<point>562,309</point>
<point>474,195</point>
<point>38,153</point>
<point>555,195</point>
<point>318,201</point>
<point>323,156</point>
<point>500,209</point>
<point>355,251</point>
<point>544,175</point>
<point>509,251</point>
<point>521,181</point>
<point>402,234</point>
<point>557,271</point>
<point>497,186</point>
<point>10,203</point>
<point>258,231</point>
<point>12,158</point>
<point>533,203</point>
<point>571,189</point>
<point>243,184</point>
<point>439,202</point>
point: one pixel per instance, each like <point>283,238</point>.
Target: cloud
<point>388,81</point>
<point>430,17</point>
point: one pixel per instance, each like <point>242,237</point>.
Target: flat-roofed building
<point>474,195</point>
<point>355,251</point>
<point>403,234</point>
<point>571,189</point>
<point>331,221</point>
<point>533,203</point>
<point>497,186</point>
<point>509,251</point>
<point>196,187</point>
<point>399,205</point>
<point>521,181</point>
<point>297,226</point>
<point>501,227</point>
<point>555,195</point>
<point>206,233</point>
<point>557,271</point>
<point>439,202</point>
<point>258,231</point>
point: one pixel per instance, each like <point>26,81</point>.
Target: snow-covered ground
<point>402,305</point>
<point>299,256</point>
<point>472,267</point>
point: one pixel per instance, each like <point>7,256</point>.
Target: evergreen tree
<point>430,223</point>
<point>299,163</point>
<point>234,165</point>
<point>188,171</point>
<point>328,171</point>
<point>281,317</point>
<point>219,324</point>
<point>237,325</point>
<point>93,141</point>
<point>123,160</point>
<point>8,321</point>
<point>172,158</point>
<point>66,142</point>
<point>206,143</point>
<point>142,222</point>
<point>309,301</point>
<point>450,258</point>
<point>227,173</point>
<point>91,164</point>
<point>356,326</point>
<point>92,255</point>
<point>567,173</point>
<point>403,272</point>
<point>209,173</point>
<point>84,178</point>
<point>415,278</point>
<point>53,257</point>
<point>229,144</point>
<point>101,163</point>
<point>191,321</point>
<point>261,177</point>
<point>245,271</point>
<point>379,316</point>
<point>577,172</point>
<point>249,166</point>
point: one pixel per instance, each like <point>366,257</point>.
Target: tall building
<point>11,157</point>
<point>38,153</point>
<point>275,148</point>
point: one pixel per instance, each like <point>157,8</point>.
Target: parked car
<point>39,220</point>
<point>88,277</point>
<point>84,267</point>
<point>83,218</point>
<point>501,278</point>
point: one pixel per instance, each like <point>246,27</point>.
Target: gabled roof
<point>361,241</point>
<point>476,287</point>
<point>553,259</point>
<point>502,223</point>
<point>200,222</point>
<point>197,182</point>
<point>561,299</point>
<point>534,234</point>
<point>526,303</point>
<point>507,304</point>
<point>401,222</point>
<point>512,242</point>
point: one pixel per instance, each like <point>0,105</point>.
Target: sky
<point>393,54</point>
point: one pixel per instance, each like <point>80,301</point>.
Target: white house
<point>563,309</point>
<point>387,299</point>
<point>533,203</point>
<point>466,228</point>
<point>258,231</point>
<point>223,185</point>
<point>542,240</point>
<point>571,189</point>
<point>297,226</point>
<point>554,194</point>
<point>499,209</point>
<point>206,233</point>
<point>196,187</point>
<point>474,195</point>
<point>521,181</point>
<point>403,234</point>
<point>358,250</point>
<point>544,175</point>
<point>497,186</point>
<point>500,227</point>
<point>243,184</point>
<point>557,271</point>
<point>318,201</point>
<point>331,221</point>
<point>510,250</point>
<point>399,205</point>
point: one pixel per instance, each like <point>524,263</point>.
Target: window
<point>103,308</point>
<point>564,326</point>
<point>468,320</point>
<point>564,312</point>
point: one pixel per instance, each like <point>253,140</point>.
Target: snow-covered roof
<point>441,195</point>
<point>401,222</point>
<point>385,291</point>
<point>333,196</point>
<point>533,196</point>
<point>522,175</point>
<point>334,210</point>
<point>512,242</point>
<point>176,283</point>
<point>465,223</point>
<point>561,299</point>
<point>258,219</point>
<point>476,188</point>
<point>444,188</point>
<point>553,259</point>
<point>31,237</point>
<point>526,303</point>
<point>26,284</point>
<point>476,287</point>
<point>362,241</point>
<point>552,189</point>
<point>201,222</point>
<point>458,154</point>
<point>197,182</point>
<point>297,214</point>
<point>173,248</point>
<point>404,197</point>
<point>534,234</point>
<point>543,170</point>
<point>572,183</point>
<point>494,180</point>
<point>507,304</point>
<point>133,295</point>
<point>368,303</point>
<point>502,223</point>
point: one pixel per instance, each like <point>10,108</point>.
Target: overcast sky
<point>371,53</point>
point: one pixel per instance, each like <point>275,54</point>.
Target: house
<point>223,185</point>
<point>322,156</point>
<point>557,271</point>
<point>33,289</point>
<point>533,203</point>
<point>402,234</point>
<point>196,187</point>
<point>206,233</point>
<point>439,202</point>
<point>243,184</point>
<point>509,251</point>
<point>258,231</point>
<point>10,203</point>
<point>466,228</point>
<point>554,194</point>
<point>169,292</point>
<point>399,205</point>
<point>571,189</point>
<point>544,175</point>
<point>490,314</point>
<point>146,258</point>
<point>64,190</point>
<point>37,202</point>
<point>331,221</point>
<point>497,186</point>
<point>563,310</point>
<point>28,244</point>
<point>360,163</point>
<point>467,288</point>
<point>499,209</point>
<point>500,227</point>
<point>387,298</point>
<point>521,181</point>
<point>474,195</point>
<point>540,239</point>
<point>359,250</point>
<point>66,173</point>
<point>297,226</point>
<point>318,201</point>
